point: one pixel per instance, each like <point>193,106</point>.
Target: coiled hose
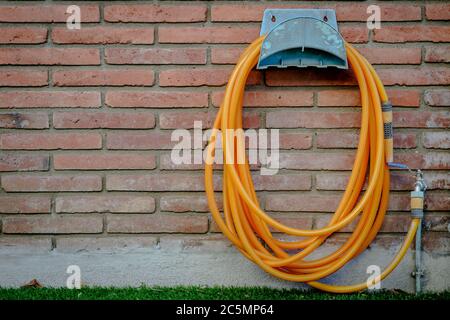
<point>248,227</point>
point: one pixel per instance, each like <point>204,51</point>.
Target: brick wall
<point>87,115</point>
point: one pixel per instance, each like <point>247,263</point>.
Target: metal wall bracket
<point>301,38</point>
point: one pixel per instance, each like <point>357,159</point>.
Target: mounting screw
<point>274,19</point>
<point>325,18</point>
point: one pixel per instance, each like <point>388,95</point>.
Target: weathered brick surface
<point>49,99</point>
<point>23,35</point>
<point>155,13</point>
<point>87,117</point>
<point>23,78</point>
<point>103,35</point>
<point>110,203</point>
<point>19,120</point>
<point>155,56</point>
<point>50,141</point>
<point>103,162</point>
<point>107,120</point>
<point>25,204</point>
<point>46,13</point>
<point>49,56</point>
<point>23,162</point>
<point>103,78</point>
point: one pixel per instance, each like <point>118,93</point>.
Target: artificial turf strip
<point>201,293</point>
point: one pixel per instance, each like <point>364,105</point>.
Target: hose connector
<point>386,108</point>
<point>417,196</point>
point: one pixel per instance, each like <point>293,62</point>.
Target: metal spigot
<point>420,184</point>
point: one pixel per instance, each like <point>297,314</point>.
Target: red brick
<point>436,243</point>
<point>140,141</point>
<point>281,182</point>
<point>354,34</point>
<point>23,78</point>
<point>328,202</point>
<point>49,56</point>
<point>415,77</point>
<point>295,140</point>
<point>340,98</point>
<point>317,161</point>
<point>185,120</point>
<point>74,78</point>
<point>391,223</point>
<point>436,140</point>
<point>437,54</point>
<point>157,224</point>
<point>392,55</point>
<point>45,13</point>
<point>154,182</point>
<point>301,202</point>
<point>17,162</point>
<point>437,98</point>
<point>399,181</point>
<point>405,181</point>
<point>202,77</point>
<point>429,160</point>
<point>108,244</point>
<point>23,35</point>
<point>344,12</point>
<point>421,119</point>
<point>104,35</point>
<point>271,98</point>
<point>412,33</point>
<point>16,120</point>
<point>111,120</point>
<point>155,13</point>
<point>334,139</point>
<point>332,181</point>
<point>225,55</point>
<point>49,99</point>
<point>103,161</point>
<point>184,203</point>
<point>437,11</point>
<point>165,163</point>
<point>336,77</point>
<point>309,77</point>
<point>51,183</point>
<point>24,204</point>
<point>156,99</point>
<point>19,244</point>
<point>292,220</point>
<point>206,34</point>
<point>437,223</point>
<point>50,141</point>
<point>105,203</point>
<point>306,119</point>
<point>433,202</point>
<point>53,225</point>
<point>155,55</point>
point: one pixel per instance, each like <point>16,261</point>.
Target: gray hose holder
<point>301,38</point>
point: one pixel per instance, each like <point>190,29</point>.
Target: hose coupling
<point>417,196</point>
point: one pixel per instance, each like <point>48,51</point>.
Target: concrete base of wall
<point>172,262</point>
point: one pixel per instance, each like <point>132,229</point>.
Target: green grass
<point>199,293</point>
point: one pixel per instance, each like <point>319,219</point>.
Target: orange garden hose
<point>249,228</point>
